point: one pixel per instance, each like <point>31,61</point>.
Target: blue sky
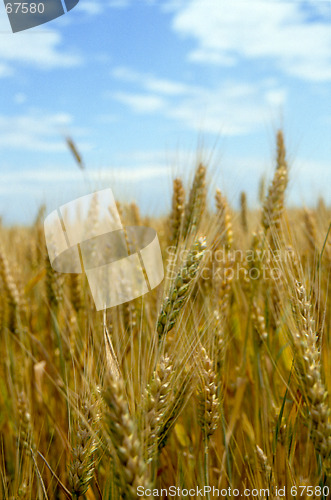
<point>144,86</point>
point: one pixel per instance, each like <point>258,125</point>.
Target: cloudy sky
<point>146,87</point>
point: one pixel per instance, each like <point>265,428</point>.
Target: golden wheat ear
<point>310,373</point>
<point>224,220</point>
<point>122,430</point>
<point>158,396</point>
<point>273,206</point>
<point>243,211</point>
<point>208,402</point>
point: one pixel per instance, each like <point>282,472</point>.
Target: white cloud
<point>119,4</point>
<point>126,74</point>
<point>230,109</point>
<point>98,6</point>
<point>19,98</point>
<point>132,174</point>
<point>164,86</point>
<point>58,184</point>
<point>5,70</point>
<point>227,32</point>
<point>90,7</point>
<point>308,168</point>
<point>140,103</point>
<point>275,97</point>
<point>122,4</point>
<point>23,192</point>
<point>211,57</point>
<point>35,131</point>
<point>56,174</point>
<point>41,48</point>
<point>321,8</point>
<point>150,82</point>
<point>309,179</point>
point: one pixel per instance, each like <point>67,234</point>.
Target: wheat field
<point>215,384</point>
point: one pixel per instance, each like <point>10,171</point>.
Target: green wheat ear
<point>180,288</point>
<point>82,465</point>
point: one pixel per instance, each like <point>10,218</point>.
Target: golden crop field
<point>215,384</point>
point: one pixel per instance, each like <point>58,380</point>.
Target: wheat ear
<point>208,402</point>
<point>180,288</point>
<point>123,433</point>
<point>224,220</point>
<point>196,203</point>
<point>82,464</point>
<point>158,394</point>
<point>311,230</point>
<point>274,203</point>
<point>309,370</point>
<point>267,470</point>
<point>243,211</point>
<point>13,295</point>
<point>177,213</point>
